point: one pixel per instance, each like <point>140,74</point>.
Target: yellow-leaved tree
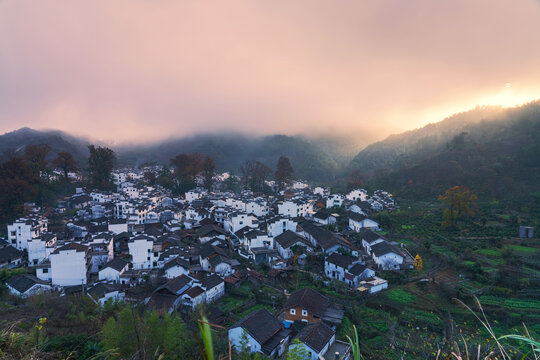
<point>459,202</point>
<point>418,262</point>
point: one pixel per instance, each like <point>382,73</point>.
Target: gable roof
<point>288,238</point>
<point>71,246</point>
<point>176,284</point>
<point>211,281</point>
<point>316,335</point>
<point>9,253</point>
<point>23,282</point>
<point>210,230</point>
<point>309,300</point>
<point>177,261</point>
<point>116,264</point>
<point>342,261</point>
<point>371,236</point>
<point>384,248</point>
<point>357,269</point>
<point>260,324</point>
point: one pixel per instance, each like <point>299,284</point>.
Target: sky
<point>134,71</point>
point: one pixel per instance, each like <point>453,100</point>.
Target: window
<point>45,271</point>
<point>304,312</point>
<point>293,312</point>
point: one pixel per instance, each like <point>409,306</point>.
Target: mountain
<point>319,159</point>
<point>314,159</point>
<point>492,150</point>
<point>17,140</point>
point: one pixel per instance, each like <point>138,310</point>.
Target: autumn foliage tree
<point>188,168</point>
<point>284,172</point>
<point>418,263</point>
<point>459,202</point>
<point>65,162</point>
<point>208,172</point>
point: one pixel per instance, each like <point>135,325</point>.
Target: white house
<point>358,222</point>
<point>295,208</point>
<point>334,200</point>
<point>193,297</point>
<point>262,333</point>
<point>140,249</point>
<point>102,292</point>
<point>25,229</point>
<point>117,226</point>
<point>69,265</point>
<point>287,240</point>
<point>279,224</point>
<point>214,287</point>
<point>236,221</point>
<point>386,256</point>
<point>112,270</point>
<point>40,248</point>
<point>176,267</point>
<point>372,285</point>
<point>195,194</point>
<point>257,207</point>
<point>357,194</point>
<point>25,285</point>
<point>316,339</point>
<point>337,264</point>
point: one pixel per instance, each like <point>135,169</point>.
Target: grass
<point>523,249</point>
<point>490,252</point>
<point>400,296</point>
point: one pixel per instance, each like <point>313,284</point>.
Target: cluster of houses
<point>185,250</point>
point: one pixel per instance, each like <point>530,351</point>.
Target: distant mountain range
<point>315,159</point>
<point>494,151</point>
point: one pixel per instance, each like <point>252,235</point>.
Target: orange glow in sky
<point>134,70</point>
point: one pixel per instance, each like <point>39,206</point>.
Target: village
<point>143,246</point>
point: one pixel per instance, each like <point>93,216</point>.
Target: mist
<point>129,72</point>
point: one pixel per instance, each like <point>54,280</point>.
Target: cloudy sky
<point>143,70</point>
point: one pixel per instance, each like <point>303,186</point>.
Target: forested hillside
<point>493,151</point>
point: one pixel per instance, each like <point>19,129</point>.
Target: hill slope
<point>17,140</point>
<point>492,150</point>
<point>312,159</point>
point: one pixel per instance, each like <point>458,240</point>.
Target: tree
<point>231,183</point>
<point>65,162</point>
<point>284,172</point>
<point>254,175</point>
<point>18,184</point>
<point>165,178</point>
<point>418,262</point>
<point>355,180</point>
<point>149,177</point>
<point>37,155</point>
<point>208,167</point>
<point>100,166</point>
<point>297,351</point>
<point>459,202</point>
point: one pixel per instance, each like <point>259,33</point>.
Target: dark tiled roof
<point>174,262</point>
<point>99,290</point>
<point>211,281</point>
<point>116,264</point>
<point>9,253</point>
<point>23,282</point>
<point>316,335</point>
<point>357,269</point>
<point>210,230</point>
<point>72,246</point>
<point>309,300</point>
<point>385,247</point>
<point>194,292</point>
<point>260,324</point>
<point>371,236</point>
<point>289,238</point>
<point>342,261</point>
